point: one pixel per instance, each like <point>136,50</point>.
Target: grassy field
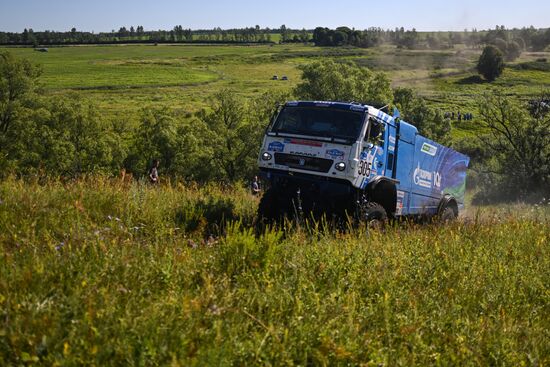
<point>105,273</point>
<point>123,79</point>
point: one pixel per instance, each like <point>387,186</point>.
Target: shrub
<point>346,82</point>
<point>491,63</point>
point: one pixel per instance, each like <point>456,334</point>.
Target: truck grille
<point>305,163</point>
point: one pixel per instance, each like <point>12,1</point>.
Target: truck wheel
<point>268,210</point>
<point>447,215</point>
<point>375,215</point>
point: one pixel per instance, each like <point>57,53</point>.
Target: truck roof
<point>351,106</point>
<point>339,105</point>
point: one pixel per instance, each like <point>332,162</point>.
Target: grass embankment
<point>101,273</point>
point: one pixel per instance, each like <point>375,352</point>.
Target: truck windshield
<point>319,121</point>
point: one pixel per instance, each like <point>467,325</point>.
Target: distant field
<point>123,79</point>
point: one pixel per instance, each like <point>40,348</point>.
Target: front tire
<point>374,215</point>
<point>268,208</point>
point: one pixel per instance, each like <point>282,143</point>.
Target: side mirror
<point>369,146</point>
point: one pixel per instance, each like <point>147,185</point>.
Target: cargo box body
<point>427,172</point>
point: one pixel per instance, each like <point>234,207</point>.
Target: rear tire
<point>447,215</point>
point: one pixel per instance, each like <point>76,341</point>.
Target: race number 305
<point>364,168</point>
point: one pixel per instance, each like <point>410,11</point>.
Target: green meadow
<point>102,272</point>
<point>123,79</point>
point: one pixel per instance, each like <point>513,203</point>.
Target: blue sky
<point>429,15</point>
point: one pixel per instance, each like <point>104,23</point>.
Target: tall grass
<point>96,272</point>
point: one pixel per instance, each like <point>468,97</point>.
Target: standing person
<point>154,173</point>
<point>255,186</point>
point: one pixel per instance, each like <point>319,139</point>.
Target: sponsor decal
<point>335,154</point>
<point>309,143</point>
<point>426,179</point>
<point>428,149</point>
<point>276,146</point>
<point>392,139</point>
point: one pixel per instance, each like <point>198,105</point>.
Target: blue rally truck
<point>355,160</point>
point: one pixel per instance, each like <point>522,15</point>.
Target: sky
<point>424,15</point>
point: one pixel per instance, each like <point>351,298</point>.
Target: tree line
<point>139,35</point>
<point>68,137</point>
<point>510,41</point>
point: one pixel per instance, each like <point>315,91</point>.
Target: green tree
<point>428,121</point>
<point>490,63</point>
<point>62,137</point>
<point>331,81</point>
<point>155,137</point>
<point>519,144</point>
<point>18,84</point>
<point>233,138</point>
<point>513,51</point>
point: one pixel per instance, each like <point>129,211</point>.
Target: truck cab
<point>352,159</point>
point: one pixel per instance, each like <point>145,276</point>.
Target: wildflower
<point>59,246</point>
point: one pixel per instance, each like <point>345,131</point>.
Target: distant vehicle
<point>42,49</point>
<point>274,77</point>
<point>348,159</point>
<point>284,77</point>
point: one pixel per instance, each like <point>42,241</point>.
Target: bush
<point>518,144</point>
<point>62,137</point>
<point>346,82</point>
<point>428,121</point>
<point>513,51</point>
<point>491,63</point>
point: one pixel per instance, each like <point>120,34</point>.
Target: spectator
<point>255,187</point>
<point>153,172</point>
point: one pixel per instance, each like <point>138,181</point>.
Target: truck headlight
<point>266,156</point>
<point>341,166</point>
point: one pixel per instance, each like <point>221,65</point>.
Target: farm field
<point>102,272</point>
<point>124,79</point>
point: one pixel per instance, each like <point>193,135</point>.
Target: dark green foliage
<point>491,63</point>
<point>518,143</point>
<point>540,65</point>
<point>344,36</point>
<point>346,82</point>
<point>513,51</point>
<point>17,86</point>
<point>156,137</point>
<point>61,137</point>
<point>428,121</point>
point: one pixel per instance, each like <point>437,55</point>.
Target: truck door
<point>402,170</point>
<point>390,143</point>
